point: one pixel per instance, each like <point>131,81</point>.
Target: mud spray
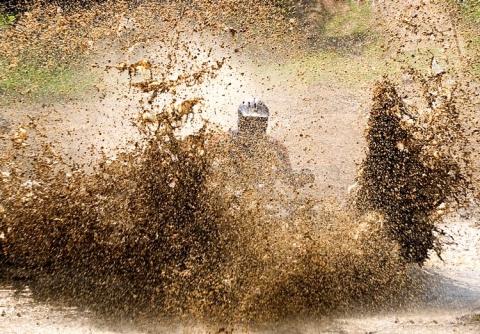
<point>171,223</point>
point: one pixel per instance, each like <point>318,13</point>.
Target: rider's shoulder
<point>221,136</point>
<point>225,136</point>
<point>278,144</point>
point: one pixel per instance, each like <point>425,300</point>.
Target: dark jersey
<point>259,159</point>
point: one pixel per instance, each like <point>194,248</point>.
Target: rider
<point>254,154</point>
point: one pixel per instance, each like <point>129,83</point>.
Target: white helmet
<point>253,108</point>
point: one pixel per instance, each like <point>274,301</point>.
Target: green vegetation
<point>6,20</point>
<point>471,9</point>
<point>345,39</point>
<point>331,68</point>
<point>470,20</point>
<point>348,53</point>
<point>33,82</point>
<point>355,21</point>
<point>33,74</point>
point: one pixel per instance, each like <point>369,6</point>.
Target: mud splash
<point>153,232</point>
<point>416,169</point>
<point>158,231</point>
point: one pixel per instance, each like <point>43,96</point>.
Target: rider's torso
<point>258,159</point>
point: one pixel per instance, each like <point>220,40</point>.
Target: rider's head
<point>252,117</point>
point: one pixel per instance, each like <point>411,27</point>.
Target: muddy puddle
<point>449,302</point>
<point>134,199</point>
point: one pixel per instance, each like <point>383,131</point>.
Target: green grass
<point>355,21</point>
<point>471,10</point>
<point>357,63</point>
<point>6,20</point>
<point>334,69</point>
<point>33,82</point>
<point>476,69</point>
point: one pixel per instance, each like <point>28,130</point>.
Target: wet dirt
<point>326,137</point>
<point>450,303</point>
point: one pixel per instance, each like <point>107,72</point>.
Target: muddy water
<point>450,303</point>
<point>321,124</point>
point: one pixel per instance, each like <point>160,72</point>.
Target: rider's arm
<point>296,178</point>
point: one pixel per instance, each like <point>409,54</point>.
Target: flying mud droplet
<point>413,169</point>
<point>5,126</point>
<point>179,223</point>
<point>203,242</point>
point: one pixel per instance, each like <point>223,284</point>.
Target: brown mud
<point>114,206</point>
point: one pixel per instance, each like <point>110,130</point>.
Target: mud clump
<point>150,234</point>
<point>140,215</point>
<point>415,170</point>
<point>162,231</point>
<point>5,126</point>
<point>158,230</point>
